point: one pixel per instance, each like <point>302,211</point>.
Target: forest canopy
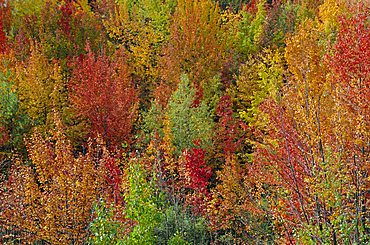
<point>184,122</point>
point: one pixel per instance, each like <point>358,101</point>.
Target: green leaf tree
<point>141,205</point>
<point>187,122</point>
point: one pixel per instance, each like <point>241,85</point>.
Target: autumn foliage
<point>102,92</point>
<point>3,41</point>
<point>184,122</point>
<point>50,199</point>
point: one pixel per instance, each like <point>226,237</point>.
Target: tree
<point>104,228</point>
<point>236,209</point>
<point>259,78</point>
<point>21,9</point>
<point>310,160</point>
<point>50,197</point>
<point>188,124</point>
<point>251,28</point>
<point>141,28</point>
<point>141,205</point>
<point>196,47</point>
<point>102,92</point>
<point>65,27</point>
<point>195,175</point>
<point>281,20</point>
<point>350,74</point>
<point>38,84</point>
<point>299,130</point>
<point>13,123</point>
<point>350,65</point>
<point>3,39</point>
<point>229,128</point>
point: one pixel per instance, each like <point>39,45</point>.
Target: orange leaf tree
<point>49,198</point>
<point>196,47</point>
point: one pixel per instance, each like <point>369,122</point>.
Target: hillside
<point>184,122</point>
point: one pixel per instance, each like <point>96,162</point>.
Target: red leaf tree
<point>113,179</point>
<point>229,129</point>
<point>350,64</point>
<point>196,175</point>
<point>102,92</point>
<point>3,41</point>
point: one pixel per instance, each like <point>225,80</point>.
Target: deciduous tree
<point>188,123</point>
<point>38,84</point>
<point>50,197</point>
<point>196,47</point>
<point>141,28</point>
<point>310,146</point>
<point>101,90</point>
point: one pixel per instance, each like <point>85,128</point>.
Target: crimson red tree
<point>229,129</point>
<point>3,42</point>
<point>196,177</point>
<point>350,70</point>
<point>350,64</point>
<point>102,92</point>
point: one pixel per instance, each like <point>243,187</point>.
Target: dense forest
<point>184,122</point>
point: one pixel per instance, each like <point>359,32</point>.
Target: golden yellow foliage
<point>39,85</point>
<point>51,199</point>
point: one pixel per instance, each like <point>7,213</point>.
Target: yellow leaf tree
<point>39,85</point>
